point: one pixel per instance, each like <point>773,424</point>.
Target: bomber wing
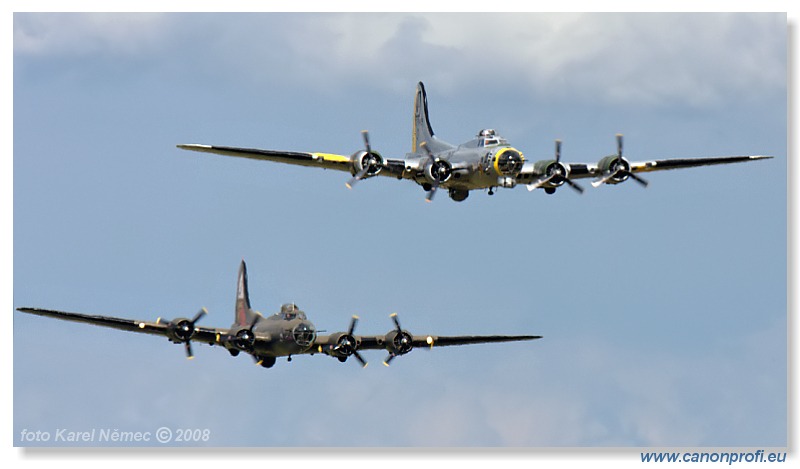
<point>676,163</point>
<point>361,164</point>
<point>182,330</point>
<point>612,169</point>
<point>343,346</point>
<point>401,343</point>
<point>321,160</point>
<point>397,342</point>
<point>380,342</point>
<point>586,170</point>
<point>444,341</point>
<point>615,169</point>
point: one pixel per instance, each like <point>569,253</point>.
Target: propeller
<point>244,338</point>
<point>347,344</point>
<point>555,172</point>
<point>370,162</point>
<point>440,171</point>
<point>401,342</point>
<point>618,169</point>
<point>182,330</point>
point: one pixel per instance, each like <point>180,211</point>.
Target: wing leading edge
<point>130,325</point>
<point>380,342</point>
<point>587,170</point>
<point>320,160</point>
<point>398,342</point>
<point>677,163</point>
<point>180,330</point>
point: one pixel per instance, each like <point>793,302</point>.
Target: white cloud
<point>78,34</point>
<point>652,59</point>
<point>642,59</point>
<point>604,394</point>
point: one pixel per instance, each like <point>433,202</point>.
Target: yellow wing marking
<point>331,158</point>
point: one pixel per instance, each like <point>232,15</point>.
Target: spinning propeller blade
<point>551,175</point>
<point>188,343</point>
<point>371,162</point>
<point>619,169</point>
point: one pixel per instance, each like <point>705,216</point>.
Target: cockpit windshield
<point>489,138</point>
<point>290,311</point>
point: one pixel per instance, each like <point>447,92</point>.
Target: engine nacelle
<point>398,342</point>
<point>438,171</point>
<point>373,161</point>
<point>340,345</point>
<point>508,162</point>
<point>614,164</point>
<point>242,339</point>
<point>556,171</point>
<point>180,330</point>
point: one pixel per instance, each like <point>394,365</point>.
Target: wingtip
<point>192,146</point>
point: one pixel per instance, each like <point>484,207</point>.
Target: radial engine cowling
<point>555,171</point>
<point>241,339</point>
<point>343,345</point>
<point>438,171</point>
<point>373,161</point>
<point>398,342</point>
<point>180,330</point>
<point>614,164</point>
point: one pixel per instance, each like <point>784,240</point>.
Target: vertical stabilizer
<point>422,131</point>
<point>244,315</point>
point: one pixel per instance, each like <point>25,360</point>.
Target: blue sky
<point>663,310</point>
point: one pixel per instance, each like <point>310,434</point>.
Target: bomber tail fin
<point>422,131</point>
<point>244,315</point>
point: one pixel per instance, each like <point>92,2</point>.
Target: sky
<point>663,310</point>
